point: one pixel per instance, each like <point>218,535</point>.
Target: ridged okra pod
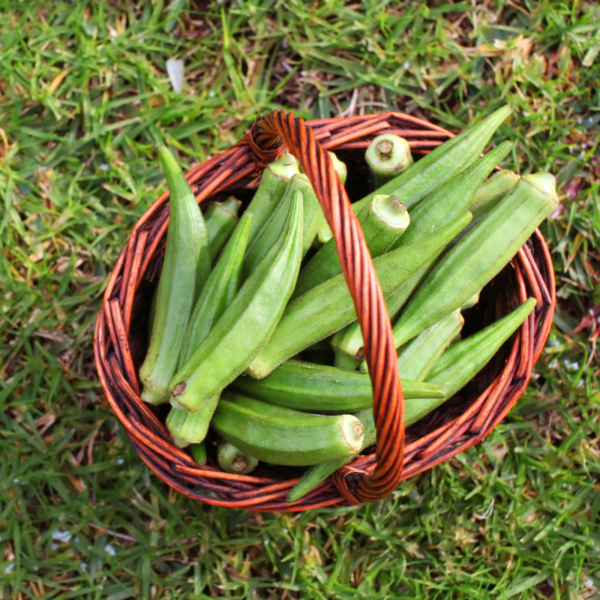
<point>418,357</point>
<point>322,389</point>
<point>413,411</point>
<point>199,453</point>
<point>218,293</point>
<point>284,436</point>
<point>388,155</point>
<point>274,181</point>
<point>444,162</point>
<point>451,199</point>
<point>188,427</point>
<point>246,325</point>
<point>462,361</point>
<point>382,221</point>
<point>329,306</point>
<point>349,340</point>
<point>233,460</point>
<point>220,290</point>
<point>478,257</point>
<point>492,191</point>
<point>437,209</point>
<point>273,227</point>
<point>221,219</point>
<point>186,267</point>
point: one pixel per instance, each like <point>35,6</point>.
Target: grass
<point>84,97</point>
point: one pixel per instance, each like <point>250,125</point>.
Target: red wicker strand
<point>457,425</point>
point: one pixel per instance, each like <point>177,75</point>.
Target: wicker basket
<point>121,330</point>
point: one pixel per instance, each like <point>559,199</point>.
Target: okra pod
<point>418,357</point>
<point>274,181</point>
<point>492,191</point>
<point>233,460</point>
<point>188,427</point>
<point>284,436</point>
<point>462,361</point>
<point>218,293</point>
<point>388,155</point>
<point>314,475</point>
<point>328,307</point>
<point>445,161</point>
<point>220,290</point>
<point>247,324</point>
<point>322,389</point>
<point>440,207</point>
<point>221,219</point>
<point>342,360</point>
<point>451,199</point>
<point>478,257</point>
<point>349,340</point>
<point>470,302</point>
<point>199,453</point>
<point>273,227</point>
<point>382,221</point>
<point>186,267</point>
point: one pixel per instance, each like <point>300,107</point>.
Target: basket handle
<point>267,138</point>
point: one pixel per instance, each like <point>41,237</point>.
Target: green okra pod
<point>322,389</point>
<point>199,453</point>
<point>218,293</point>
<point>314,475</point>
<point>152,311</point>
<point>233,460</point>
<point>220,290</point>
<point>188,427</point>
<point>268,195</point>
<point>388,155</point>
<point>451,199</point>
<point>478,257</point>
<point>349,340</point>
<point>440,207</point>
<point>492,191</point>
<point>284,436</point>
<point>417,357</point>
<point>328,307</point>
<point>221,219</point>
<point>462,361</point>
<point>382,221</point>
<point>247,324</point>
<point>273,227</point>
<point>186,267</point>
<point>444,162</point>
<point>342,360</point>
<point>470,302</point>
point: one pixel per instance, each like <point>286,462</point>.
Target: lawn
<point>84,99</point>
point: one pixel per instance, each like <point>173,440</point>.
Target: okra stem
<point>388,155</point>
<point>233,460</point>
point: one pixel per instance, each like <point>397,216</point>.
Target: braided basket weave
<point>121,331</point>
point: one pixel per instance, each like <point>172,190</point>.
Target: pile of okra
<point>241,301</point>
